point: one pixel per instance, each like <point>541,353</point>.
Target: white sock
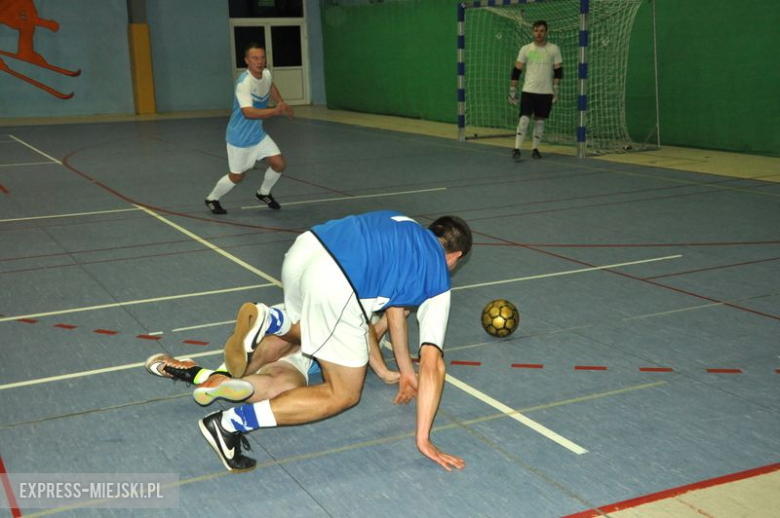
<point>538,132</point>
<point>522,127</point>
<point>246,418</point>
<point>224,186</point>
<point>271,177</point>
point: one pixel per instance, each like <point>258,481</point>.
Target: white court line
<point>201,326</point>
<point>35,149</point>
<point>342,198</point>
<point>83,374</point>
<point>213,247</point>
<point>67,215</point>
<point>568,272</point>
<point>517,416</point>
<point>135,302</point>
<point>519,279</point>
<point>26,163</point>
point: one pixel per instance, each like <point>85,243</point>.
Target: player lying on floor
<point>276,366</point>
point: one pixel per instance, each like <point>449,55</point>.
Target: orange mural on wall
<point>22,16</point>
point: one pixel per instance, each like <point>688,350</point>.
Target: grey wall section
<point>190,54</point>
<point>316,59</point>
<point>92,37</point>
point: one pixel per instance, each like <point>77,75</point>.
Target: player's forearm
<point>259,113</point>
<point>375,359</point>
<point>431,383</point>
<point>396,323</point>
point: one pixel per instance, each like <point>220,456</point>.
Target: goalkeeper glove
<point>555,93</point>
<point>513,95</point>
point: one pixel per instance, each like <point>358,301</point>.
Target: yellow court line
<point>382,440</point>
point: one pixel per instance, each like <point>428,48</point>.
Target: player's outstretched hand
<point>407,389</point>
<point>288,111</point>
<point>444,460</point>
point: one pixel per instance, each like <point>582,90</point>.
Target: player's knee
<point>236,177</point>
<point>348,400</point>
<point>277,163</point>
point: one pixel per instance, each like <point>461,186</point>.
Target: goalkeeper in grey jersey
<point>543,65</point>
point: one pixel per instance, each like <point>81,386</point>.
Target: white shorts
<point>242,159</point>
<point>300,362</point>
<point>319,296</point>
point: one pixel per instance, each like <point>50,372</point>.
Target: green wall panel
<point>718,85</point>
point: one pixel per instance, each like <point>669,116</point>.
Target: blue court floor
<point>648,354</point>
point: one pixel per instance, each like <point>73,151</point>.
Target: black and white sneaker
<point>215,207</point>
<point>268,200</point>
<point>516,155</point>
<point>165,366</point>
<point>226,444</point>
<point>536,154</point>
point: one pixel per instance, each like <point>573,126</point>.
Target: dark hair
<point>251,46</point>
<point>454,233</point>
<point>537,23</point>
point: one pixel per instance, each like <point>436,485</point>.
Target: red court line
<point>148,337</point>
<point>9,493</point>
<point>698,270</point>
<point>458,362</point>
<point>4,189</point>
<point>194,342</point>
<point>28,320</point>
<point>65,326</point>
<point>527,366</point>
<point>589,368</point>
<point>656,369</point>
<point>105,332</point>
<point>669,493</point>
<point>724,371</point>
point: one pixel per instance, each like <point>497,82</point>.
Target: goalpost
<point>593,36</point>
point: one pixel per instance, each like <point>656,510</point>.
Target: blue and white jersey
<point>388,257</point>
<point>243,132</point>
<point>392,261</point>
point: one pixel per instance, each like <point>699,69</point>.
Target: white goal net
<point>492,37</point>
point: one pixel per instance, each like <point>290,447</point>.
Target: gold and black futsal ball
<point>500,318</point>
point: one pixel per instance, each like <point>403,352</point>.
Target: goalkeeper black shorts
<point>536,104</point>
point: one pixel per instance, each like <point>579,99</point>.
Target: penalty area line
<point>517,416</point>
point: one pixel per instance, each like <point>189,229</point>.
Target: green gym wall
<point>718,81</point>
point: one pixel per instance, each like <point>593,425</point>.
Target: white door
<point>286,49</point>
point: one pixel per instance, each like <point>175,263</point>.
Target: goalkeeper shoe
<point>219,385</point>
<point>251,325</point>
<point>516,155</point>
<point>536,154</point>
<point>226,444</point>
<point>184,369</point>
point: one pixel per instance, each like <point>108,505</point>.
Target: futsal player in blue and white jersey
<point>247,141</point>
<point>335,276</point>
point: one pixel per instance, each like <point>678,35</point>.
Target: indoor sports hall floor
<point>646,368</point>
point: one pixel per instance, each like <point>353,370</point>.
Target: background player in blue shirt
<point>246,139</point>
